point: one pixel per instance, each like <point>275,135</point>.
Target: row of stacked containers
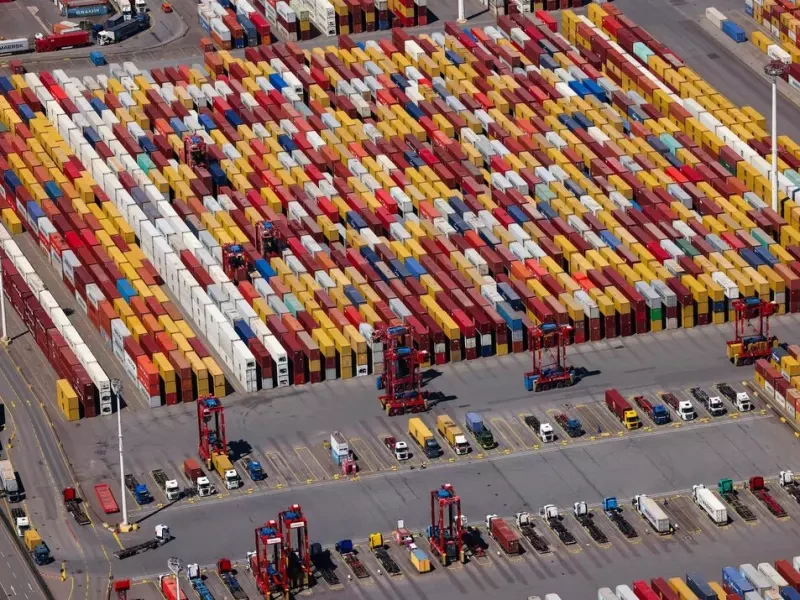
<point>471,184</point>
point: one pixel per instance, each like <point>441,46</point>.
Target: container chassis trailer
<point>760,491</point>
<point>584,516</point>
<point>347,551</point>
<point>731,496</point>
<point>323,564</point>
<point>614,514</point>
<point>527,528</point>
<point>550,514</point>
<point>74,506</point>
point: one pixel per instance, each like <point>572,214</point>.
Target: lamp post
<point>4,339</point>
<point>461,18</point>
<point>175,565</point>
<point>116,389</point>
<point>775,69</point>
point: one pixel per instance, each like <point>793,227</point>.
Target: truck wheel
<point>560,384</point>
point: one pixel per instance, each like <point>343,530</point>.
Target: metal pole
<point>116,388</point>
<point>4,340</point>
<point>461,18</point>
<point>775,145</point>
<point>775,69</point>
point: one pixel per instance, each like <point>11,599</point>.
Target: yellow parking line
<point>364,449</point>
<point>297,449</point>
<point>276,460</point>
<point>509,446</point>
<point>535,444</point>
<point>509,430</point>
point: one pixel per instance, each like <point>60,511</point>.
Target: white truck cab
<point>126,10</point>
<point>686,411</point>
<point>204,487</point>
<point>743,402</point>
<point>141,7</point>
<point>232,479</point>
<point>715,406</point>
<point>546,432</point>
<point>21,524</point>
<point>401,450</point>
<point>172,490</point>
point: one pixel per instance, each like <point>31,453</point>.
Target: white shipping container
<point>715,16</point>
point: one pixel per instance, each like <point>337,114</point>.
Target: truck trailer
<point>477,427</point>
<point>711,505</point>
<point>62,41</point>
<point>651,511</point>
<point>503,534</point>
<point>451,432</point>
<point>622,409</point>
<point>424,438</point>
<point>124,30</point>
<point>9,486</point>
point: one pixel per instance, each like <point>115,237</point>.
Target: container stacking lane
<point>591,422</point>
<point>319,460</point>
<point>304,460</point>
<point>680,509</point>
<point>609,421</point>
<point>505,430</point>
<point>281,466</point>
<point>516,423</point>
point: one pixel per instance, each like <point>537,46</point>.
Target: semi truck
<point>138,490</point>
<point>21,521</point>
<point>622,409</point>
<point>254,470</point>
<point>123,31</point>
<point>731,496</point>
<point>549,512</point>
<point>788,483</point>
<point>224,468</point>
<point>614,513</point>
<point>652,513</point>
<point>759,490</point>
<point>169,486</point>
<point>572,427</point>
<point>499,530</point>
<point>584,516</point>
<point>741,400</point>
<point>53,42</point>
<point>527,528</point>
<point>683,408</point>
<point>197,477</point>
<point>453,434</point>
<point>476,426</point>
<point>36,546</point>
<point>657,413</point>
<point>398,448</point>
<point>713,404</point>
<point>711,505</point>
<point>424,438</point>
<point>9,486</point>
<point>543,430</point>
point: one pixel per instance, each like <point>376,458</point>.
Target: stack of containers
<point>780,19</point>
<point>383,15</point>
<point>303,13</point>
<point>67,400</point>
<point>324,17</point>
<point>56,337</point>
<point>133,314</point>
<point>413,231</point>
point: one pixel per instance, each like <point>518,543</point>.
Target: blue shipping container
<point>243,330</point>
<point>733,31</point>
<point>731,578</point>
<point>264,269</point>
<point>126,290</point>
<point>94,10</point>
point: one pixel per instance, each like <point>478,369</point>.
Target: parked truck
<point>452,433</point>
<point>584,516</point>
<point>380,548</point>
<point>74,506</point>
<point>398,448</point>
<point>741,400</point>
<point>424,438</point>
<point>713,404</point>
<point>549,512</point>
<point>20,521</point>
<point>36,546</point>
<point>170,487</point>
<point>572,427</point>
<point>711,505</point>
<point>196,580</point>
<point>614,513</point>
<point>622,409</point>
<point>9,486</point>
<point>652,513</point>
<point>138,490</point>
<point>731,496</point>
<point>657,413</point>
<point>544,431</point>
<point>348,552</point>
<point>476,426</point>
<point>323,564</point>
<point>228,577</point>
<point>759,490</point>
<point>788,483</point>
<point>161,537</point>
<point>683,408</point>
<point>526,526</point>
<point>56,41</point>
<point>254,470</point>
<point>500,531</point>
<point>201,485</point>
<point>224,468</point>
<point>120,33</point>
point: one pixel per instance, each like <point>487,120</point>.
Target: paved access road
<point>16,577</point>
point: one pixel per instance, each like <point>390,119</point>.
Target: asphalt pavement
<point>17,579</point>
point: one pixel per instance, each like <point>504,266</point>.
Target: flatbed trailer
<point>74,506</point>
<point>586,519</point>
<point>233,585</point>
<point>759,490</point>
<point>731,496</point>
<point>387,562</point>
<point>614,514</point>
<point>528,530</point>
<point>138,549</point>
<point>550,514</point>
<point>348,554</point>
<point>323,564</point>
